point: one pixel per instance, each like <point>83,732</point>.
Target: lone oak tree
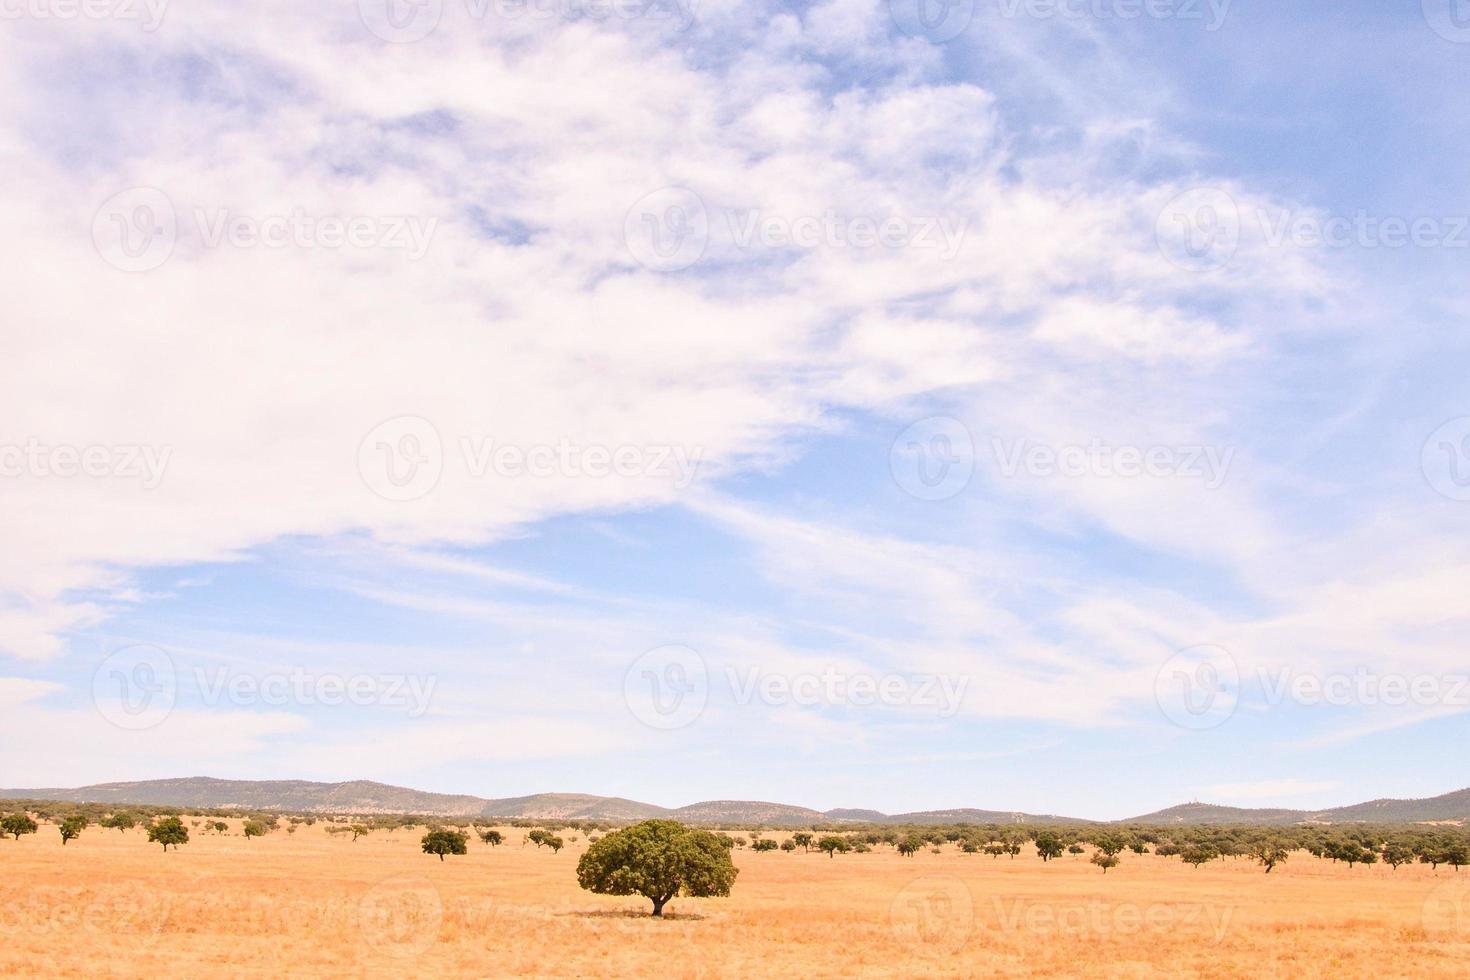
<point>658,859</point>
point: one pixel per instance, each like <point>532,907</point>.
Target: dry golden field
<point>309,904</point>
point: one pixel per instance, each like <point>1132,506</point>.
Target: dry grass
<point>306,904</point>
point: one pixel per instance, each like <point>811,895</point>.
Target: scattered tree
<point>1270,852</point>
<point>72,826</point>
<point>832,844</point>
<point>1048,845</point>
<point>442,842</point>
<point>1396,853</point>
<point>121,821</point>
<point>168,830</point>
<point>15,824</point>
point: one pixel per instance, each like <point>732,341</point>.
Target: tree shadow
<point>634,914</point>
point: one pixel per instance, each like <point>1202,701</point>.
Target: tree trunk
<point>658,906</point>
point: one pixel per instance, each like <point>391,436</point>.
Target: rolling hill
<point>1453,806</point>
<point>367,797</point>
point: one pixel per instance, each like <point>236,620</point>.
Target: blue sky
<point>618,404</point>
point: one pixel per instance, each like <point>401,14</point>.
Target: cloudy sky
<point>1049,406</point>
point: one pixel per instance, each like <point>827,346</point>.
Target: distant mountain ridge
<point>367,797</point>
<point>1449,806</point>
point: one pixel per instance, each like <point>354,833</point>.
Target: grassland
<point>310,904</point>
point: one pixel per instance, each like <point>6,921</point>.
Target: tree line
<point>1196,845</point>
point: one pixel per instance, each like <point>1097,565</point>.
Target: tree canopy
<point>658,859</point>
